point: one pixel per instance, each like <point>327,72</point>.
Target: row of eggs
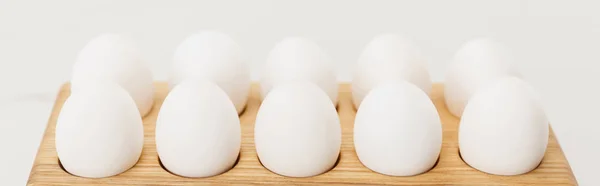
<point>397,130</point>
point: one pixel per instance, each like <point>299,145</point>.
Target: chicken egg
<point>397,130</point>
<point>216,57</point>
<point>386,58</point>
<point>198,131</point>
<point>504,129</point>
<point>299,59</point>
<point>115,58</point>
<point>477,63</point>
<point>99,131</point>
<point>297,131</point>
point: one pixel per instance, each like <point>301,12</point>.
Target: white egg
<point>115,58</point>
<point>397,130</point>
<point>197,130</point>
<point>216,57</point>
<point>299,59</point>
<point>503,129</point>
<point>388,58</point>
<point>478,63</point>
<point>99,131</point>
<point>297,132</point>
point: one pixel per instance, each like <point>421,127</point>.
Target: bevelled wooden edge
<point>450,169</point>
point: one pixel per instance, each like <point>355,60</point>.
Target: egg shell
<point>388,58</point>
<point>99,131</point>
<point>297,131</point>
<point>299,59</point>
<point>504,130</point>
<point>114,58</point>
<point>477,63</point>
<point>397,130</point>
<point>216,57</point>
<point>198,131</point>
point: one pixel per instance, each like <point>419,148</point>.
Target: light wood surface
<point>450,169</point>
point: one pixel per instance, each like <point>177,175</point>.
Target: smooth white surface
<point>397,130</point>
<point>504,129</point>
<point>555,43</point>
<point>198,131</point>
<point>216,57</point>
<point>297,132</point>
<point>99,131</point>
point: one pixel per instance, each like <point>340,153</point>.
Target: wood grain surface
<point>450,169</point>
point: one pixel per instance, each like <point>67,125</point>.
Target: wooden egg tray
<point>450,169</point>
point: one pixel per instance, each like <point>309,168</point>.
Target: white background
<point>556,44</point>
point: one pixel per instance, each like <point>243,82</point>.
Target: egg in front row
<point>297,131</point>
<point>99,131</point>
<point>198,131</point>
<point>504,129</point>
<point>397,130</point>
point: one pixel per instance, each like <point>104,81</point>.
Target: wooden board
<point>450,169</point>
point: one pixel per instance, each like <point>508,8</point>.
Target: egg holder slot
<point>449,170</point>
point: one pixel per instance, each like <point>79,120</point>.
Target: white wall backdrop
<point>556,44</point>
